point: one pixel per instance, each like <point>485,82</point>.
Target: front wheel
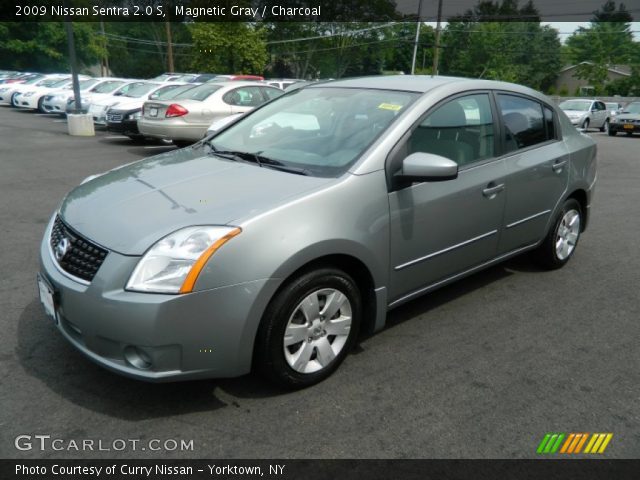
<point>561,241</point>
<point>585,124</point>
<point>308,328</point>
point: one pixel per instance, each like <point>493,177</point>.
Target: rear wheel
<point>308,328</point>
<point>561,241</point>
<point>605,126</point>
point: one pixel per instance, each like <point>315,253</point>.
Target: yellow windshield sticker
<point>390,106</point>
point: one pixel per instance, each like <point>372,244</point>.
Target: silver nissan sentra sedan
<point>272,243</point>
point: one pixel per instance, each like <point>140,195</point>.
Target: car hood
<point>129,104</point>
<point>131,207</point>
<point>628,116</point>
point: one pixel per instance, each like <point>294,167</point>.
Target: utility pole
<point>104,67</point>
<point>74,66</point>
<point>167,25</point>
<point>436,46</point>
<point>415,44</point>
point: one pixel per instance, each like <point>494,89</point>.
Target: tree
<point>43,46</point>
<point>230,47</point>
<point>475,45</point>
<point>608,41</point>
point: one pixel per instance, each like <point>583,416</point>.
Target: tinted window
<point>461,130</point>
<point>523,121</point>
<point>549,125</point>
<point>600,106</point>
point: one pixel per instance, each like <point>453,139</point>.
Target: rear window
<point>170,91</point>
<point>106,87</point>
<point>141,89</point>
<point>200,93</point>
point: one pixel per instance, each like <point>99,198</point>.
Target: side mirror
<point>428,167</point>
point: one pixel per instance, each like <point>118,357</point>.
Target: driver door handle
<point>557,167</point>
<point>492,190</point>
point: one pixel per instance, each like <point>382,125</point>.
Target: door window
<point>461,130</point>
<point>523,121</point>
<point>244,97</point>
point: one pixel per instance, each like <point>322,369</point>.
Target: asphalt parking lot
<point>480,369</point>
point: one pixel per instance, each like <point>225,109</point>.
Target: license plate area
<point>47,296</point>
<point>627,126</point>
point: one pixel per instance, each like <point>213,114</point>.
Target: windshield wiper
<point>260,160</point>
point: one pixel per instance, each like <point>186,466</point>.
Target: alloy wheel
<point>567,234</point>
<point>317,331</point>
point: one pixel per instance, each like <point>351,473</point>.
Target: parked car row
<point>610,117</point>
<point>178,107</point>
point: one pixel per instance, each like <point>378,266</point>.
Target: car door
<point>537,164</point>
<point>602,113</point>
<point>439,229</point>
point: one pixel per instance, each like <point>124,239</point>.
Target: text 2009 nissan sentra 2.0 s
<point>273,242</point>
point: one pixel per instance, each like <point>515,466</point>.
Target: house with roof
<point>568,80</point>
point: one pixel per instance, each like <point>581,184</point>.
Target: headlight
<point>135,115</point>
<point>173,264</point>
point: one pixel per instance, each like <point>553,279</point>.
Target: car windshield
<point>632,108</point>
<point>170,91</point>
<point>33,80</point>
<point>321,131</point>
<point>60,83</point>
<point>106,87</point>
<point>140,89</point>
<point>580,105</point>
<point>83,84</point>
<point>200,93</point>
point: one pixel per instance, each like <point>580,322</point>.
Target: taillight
<point>176,110</point>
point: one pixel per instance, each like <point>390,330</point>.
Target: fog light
<point>137,358</point>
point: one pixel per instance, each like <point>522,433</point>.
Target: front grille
<point>630,120</point>
<point>81,258</point>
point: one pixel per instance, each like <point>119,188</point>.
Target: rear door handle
<point>557,167</point>
<point>492,190</point>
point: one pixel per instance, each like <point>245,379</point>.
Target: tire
<point>612,133</point>
<point>311,352</point>
<point>13,100</point>
<point>40,109</point>
<point>585,124</point>
<point>605,126</point>
<point>562,239</point>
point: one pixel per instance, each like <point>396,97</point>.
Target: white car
<point>33,98</point>
<point>56,102</point>
<point>9,90</point>
<point>585,113</point>
<point>140,91</point>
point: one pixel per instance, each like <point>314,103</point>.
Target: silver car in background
<point>271,244</point>
<point>185,118</point>
<point>585,113</point>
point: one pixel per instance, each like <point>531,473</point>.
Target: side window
<point>600,106</point>
<point>523,121</point>
<point>549,124</point>
<point>271,93</point>
<point>461,130</point>
<point>244,97</point>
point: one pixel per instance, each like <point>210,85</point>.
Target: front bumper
<point>204,334</point>
<point>126,127</point>
<point>631,127</point>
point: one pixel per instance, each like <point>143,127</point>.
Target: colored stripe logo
<point>571,443</point>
